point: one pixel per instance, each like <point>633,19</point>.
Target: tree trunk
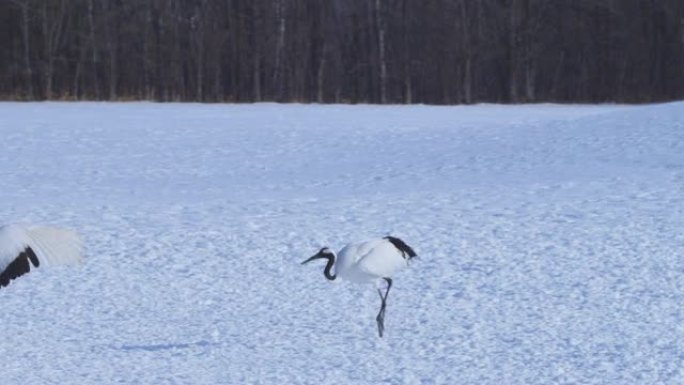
<point>529,81</point>
<point>513,52</point>
<point>529,53</point>
<point>467,55</point>
<point>256,78</point>
<point>408,91</point>
<point>280,47</point>
<point>147,83</point>
<point>320,75</point>
<point>110,26</point>
<point>25,32</point>
<point>255,47</point>
<point>93,47</point>
<point>47,65</point>
<point>199,41</point>
<point>381,52</point>
<point>113,74</point>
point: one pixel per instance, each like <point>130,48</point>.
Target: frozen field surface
<point>550,242</point>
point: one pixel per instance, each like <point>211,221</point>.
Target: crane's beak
<point>317,256</point>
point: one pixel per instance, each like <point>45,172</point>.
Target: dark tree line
<point>344,51</point>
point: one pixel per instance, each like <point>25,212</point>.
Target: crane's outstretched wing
<point>23,246</point>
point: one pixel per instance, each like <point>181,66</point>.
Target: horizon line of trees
<point>343,51</point>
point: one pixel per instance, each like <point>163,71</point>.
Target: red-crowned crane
<point>367,262</point>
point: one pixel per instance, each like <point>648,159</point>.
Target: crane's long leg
<point>381,315</point>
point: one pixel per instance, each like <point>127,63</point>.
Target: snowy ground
<point>551,243</point>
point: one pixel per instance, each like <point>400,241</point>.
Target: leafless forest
<point>343,51</point>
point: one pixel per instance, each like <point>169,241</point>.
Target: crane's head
<point>325,253</point>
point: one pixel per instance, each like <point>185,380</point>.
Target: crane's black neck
<point>328,267</point>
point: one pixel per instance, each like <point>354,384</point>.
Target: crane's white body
<point>366,262</point>
<point>51,245</point>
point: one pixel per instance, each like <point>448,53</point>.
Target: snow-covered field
<point>551,243</point>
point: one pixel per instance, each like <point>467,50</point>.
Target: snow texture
<point>550,242</point>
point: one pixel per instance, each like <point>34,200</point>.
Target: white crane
<point>23,246</point>
<point>367,262</point>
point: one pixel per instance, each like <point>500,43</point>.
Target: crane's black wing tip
<point>402,246</point>
<point>19,266</point>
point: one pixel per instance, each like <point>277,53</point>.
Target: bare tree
<point>382,61</point>
<point>53,17</point>
<point>26,40</point>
